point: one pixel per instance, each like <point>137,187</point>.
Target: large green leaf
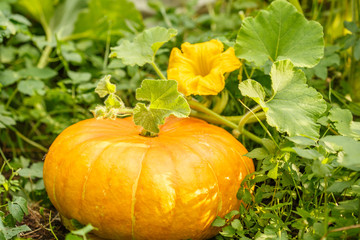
<point>342,119</point>
<point>165,100</point>
<point>348,150</point>
<point>280,33</point>
<point>294,107</point>
<point>144,47</point>
<point>254,90</point>
<point>74,19</point>
<point>40,10</point>
<point>64,17</point>
<point>104,15</point>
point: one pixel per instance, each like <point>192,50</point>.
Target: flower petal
<point>199,68</point>
<point>228,61</point>
<point>211,84</point>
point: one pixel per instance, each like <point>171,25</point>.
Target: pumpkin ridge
<point>213,171</point>
<point>86,180</point>
<point>62,161</point>
<point>135,186</point>
<point>241,156</point>
<point>176,171</point>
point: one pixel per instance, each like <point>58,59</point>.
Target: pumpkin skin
<point>133,187</point>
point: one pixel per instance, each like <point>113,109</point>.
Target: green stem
<point>11,98</point>
<point>51,228</point>
<point>326,212</point>
<point>107,50</point>
<point>248,115</point>
<point>234,119</point>
<point>157,70</point>
<point>199,107</point>
<point>29,141</point>
<point>44,59</point>
<point>261,123</point>
<point>6,161</point>
<point>146,133</point>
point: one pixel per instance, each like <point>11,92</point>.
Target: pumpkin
<point>129,186</point>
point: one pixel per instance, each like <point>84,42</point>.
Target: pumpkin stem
<point>145,133</point>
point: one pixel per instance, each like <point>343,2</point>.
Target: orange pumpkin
<point>133,187</point>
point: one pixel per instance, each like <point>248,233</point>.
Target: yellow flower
<point>199,68</point>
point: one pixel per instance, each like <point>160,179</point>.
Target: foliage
<point>293,103</point>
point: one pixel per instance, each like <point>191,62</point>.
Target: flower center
<point>203,64</point>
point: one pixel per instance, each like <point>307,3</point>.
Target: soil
<point>38,220</point>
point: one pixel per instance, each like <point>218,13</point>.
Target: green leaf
<point>231,214</point>
<point>12,232</point>
<point>17,208</point>
<point>228,231</point>
<point>35,171</point>
<point>273,173</point>
<point>331,58</point>
<point>218,222</point>
<point>165,100</point>
<point>79,77</point>
<point>300,140</point>
<point>105,87</point>
<point>351,26</point>
<point>101,16</point>
<point>2,179</point>
<point>83,231</point>
<point>5,120</point>
<point>8,77</point>
<point>254,90</point>
<point>31,87</point>
<point>5,117</point>
<point>338,187</point>
<point>71,236</point>
<point>40,10</point>
<point>65,15</point>
<point>258,153</point>
<point>348,150</point>
<point>294,107</point>
<point>307,153</point>
<point>113,101</point>
<point>342,119</point>
<point>280,33</point>
<point>357,50</point>
<point>34,72</point>
<point>236,224</point>
<point>144,47</point>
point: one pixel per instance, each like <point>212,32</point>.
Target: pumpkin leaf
<point>294,107</point>
<point>280,33</point>
<point>254,90</point>
<point>165,100</point>
<point>144,47</point>
<point>117,15</point>
<point>347,148</point>
<point>105,87</point>
<point>342,119</point>
<point>40,10</point>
